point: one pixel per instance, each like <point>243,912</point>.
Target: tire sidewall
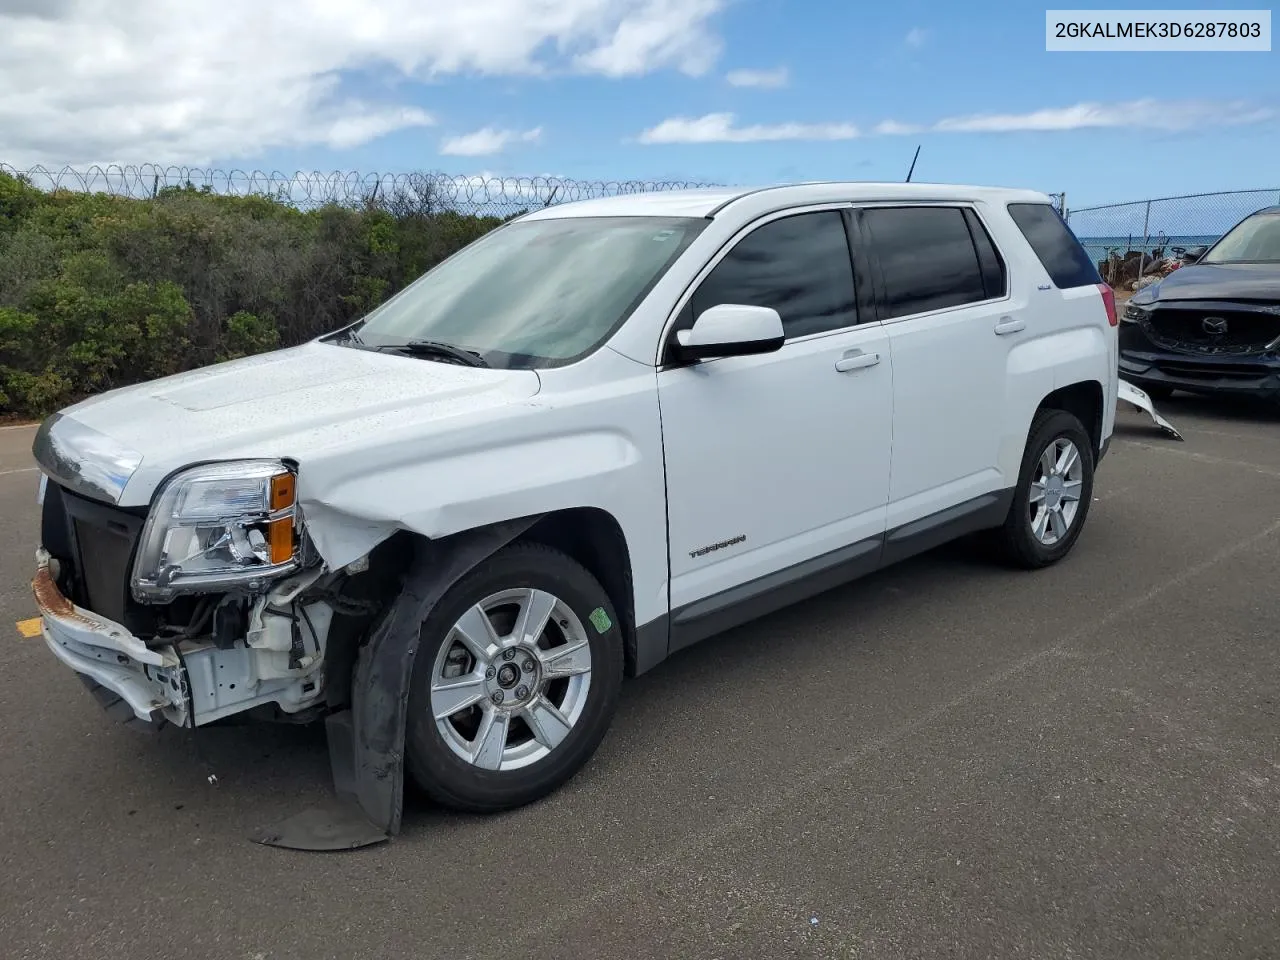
<point>440,771</point>
<point>1055,426</point>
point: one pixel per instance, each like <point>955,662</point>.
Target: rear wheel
<point>515,683</point>
<point>1055,488</point>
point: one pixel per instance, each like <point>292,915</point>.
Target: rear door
<point>942,291</point>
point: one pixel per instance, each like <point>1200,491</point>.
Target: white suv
<point>602,432</point>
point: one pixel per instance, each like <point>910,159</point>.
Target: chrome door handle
<point>1007,325</point>
<point>856,360</point>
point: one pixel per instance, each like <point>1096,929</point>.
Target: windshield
<point>535,293</point>
<point>1254,239</point>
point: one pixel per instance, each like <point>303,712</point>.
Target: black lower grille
<point>1213,332</point>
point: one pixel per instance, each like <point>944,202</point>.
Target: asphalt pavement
<point>948,759</point>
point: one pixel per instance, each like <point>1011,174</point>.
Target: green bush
<point>99,292</point>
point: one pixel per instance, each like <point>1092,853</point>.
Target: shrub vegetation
<point>98,292</point>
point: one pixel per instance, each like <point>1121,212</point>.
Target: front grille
<point>106,550</point>
<point>1212,332</point>
<point>94,544</point>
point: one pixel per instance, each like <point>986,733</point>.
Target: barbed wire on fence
<point>421,191</point>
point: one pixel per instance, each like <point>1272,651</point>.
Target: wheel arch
<point>589,535</point>
<point>1084,401</point>
<point>594,538</point>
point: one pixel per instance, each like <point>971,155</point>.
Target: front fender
<point>441,495</point>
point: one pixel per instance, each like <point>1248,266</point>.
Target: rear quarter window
<point>1061,254</point>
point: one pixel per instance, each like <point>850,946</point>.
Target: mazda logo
<point>1215,326</point>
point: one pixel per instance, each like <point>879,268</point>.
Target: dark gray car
<point>1212,326</point>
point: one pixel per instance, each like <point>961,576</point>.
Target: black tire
<point>454,782</point>
<point>1015,540</point>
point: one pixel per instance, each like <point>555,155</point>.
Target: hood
<point>118,446</point>
<point>1214,281</point>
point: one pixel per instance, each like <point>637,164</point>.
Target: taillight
<point>1109,298</point>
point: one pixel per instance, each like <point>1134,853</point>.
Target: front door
<point>778,464</point>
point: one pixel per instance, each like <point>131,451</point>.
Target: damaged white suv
<point>600,433</point>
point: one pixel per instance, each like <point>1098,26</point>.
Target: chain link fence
<point>1144,233</point>
<point>426,193</point>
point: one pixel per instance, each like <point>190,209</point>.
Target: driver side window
<point>799,265</point>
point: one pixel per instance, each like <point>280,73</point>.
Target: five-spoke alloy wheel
<point>515,682</point>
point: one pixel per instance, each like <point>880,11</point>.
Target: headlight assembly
<point>219,526</point>
<point>1136,313</point>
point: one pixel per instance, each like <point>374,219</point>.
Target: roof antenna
<point>913,163</point>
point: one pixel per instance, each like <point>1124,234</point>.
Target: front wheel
<point>1055,488</point>
<point>515,683</point>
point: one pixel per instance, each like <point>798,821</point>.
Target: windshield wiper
<point>437,348</point>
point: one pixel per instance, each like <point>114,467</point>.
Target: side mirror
<point>731,330</point>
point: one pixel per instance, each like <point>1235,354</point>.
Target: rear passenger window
<point>1065,260</point>
<point>927,259</point>
<point>995,277</point>
<point>799,265</point>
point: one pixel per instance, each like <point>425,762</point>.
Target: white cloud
<point>642,34</point>
<point>1169,116</point>
<point>720,128</point>
<point>487,141</point>
<point>892,128</point>
<point>145,80</point>
<point>765,79</point>
<point>916,37</point>
<point>1146,114</point>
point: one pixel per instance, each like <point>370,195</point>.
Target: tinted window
<point>1059,251</point>
<point>798,265</point>
<point>927,258</point>
<point>995,277</point>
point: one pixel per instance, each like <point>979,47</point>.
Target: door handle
<point>856,360</point>
<point>1006,325</point>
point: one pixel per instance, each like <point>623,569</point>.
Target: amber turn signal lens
<point>282,491</point>
<point>280,539</point>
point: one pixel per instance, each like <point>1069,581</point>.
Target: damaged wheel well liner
<point>410,575</point>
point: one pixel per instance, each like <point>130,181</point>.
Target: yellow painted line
<point>29,628</point>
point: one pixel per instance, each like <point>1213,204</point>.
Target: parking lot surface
<point>948,759</point>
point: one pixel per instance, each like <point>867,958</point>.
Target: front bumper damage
<point>151,682</point>
<point>189,684</point>
<point>1142,403</point>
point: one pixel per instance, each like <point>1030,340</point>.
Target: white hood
<point>288,403</point>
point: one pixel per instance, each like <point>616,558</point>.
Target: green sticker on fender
<point>600,620</point>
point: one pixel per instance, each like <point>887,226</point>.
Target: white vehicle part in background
<point>1131,394</point>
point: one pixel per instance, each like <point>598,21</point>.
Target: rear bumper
<point>150,681</point>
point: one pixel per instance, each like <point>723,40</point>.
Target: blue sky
<point>733,91</point>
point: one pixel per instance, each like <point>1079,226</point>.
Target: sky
<point>723,91</point>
